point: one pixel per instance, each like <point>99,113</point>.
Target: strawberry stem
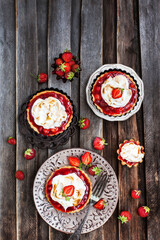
<point>33,75</point>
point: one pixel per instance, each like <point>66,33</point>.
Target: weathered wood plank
<point>91,57</point>
<point>26,62</point>
<point>7,121</point>
<point>128,53</point>
<point>149,14</point>
<point>110,129</point>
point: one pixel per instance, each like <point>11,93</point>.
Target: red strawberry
<point>11,140</point>
<point>65,67</point>
<point>143,211</point>
<point>68,190</point>
<point>117,92</point>
<point>86,158</point>
<point>67,56</point>
<point>29,153</point>
<point>41,78</point>
<point>72,62</point>
<point>54,130</point>
<point>94,170</point>
<point>84,123</point>
<point>99,143</point>
<point>59,72</point>
<point>100,204</point>
<point>46,131</point>
<point>59,61</point>
<point>125,216</point>
<point>75,68</point>
<point>97,96</point>
<point>135,194</point>
<point>74,161</point>
<point>19,175</point>
<point>69,75</point>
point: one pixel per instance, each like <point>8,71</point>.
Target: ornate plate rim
<point>123,68</point>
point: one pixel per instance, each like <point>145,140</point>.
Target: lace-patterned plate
<point>68,222</point>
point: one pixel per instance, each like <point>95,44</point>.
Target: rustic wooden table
<point>32,33</point>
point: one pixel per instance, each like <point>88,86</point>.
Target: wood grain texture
<point>26,62</point>
<point>128,54</point>
<point>7,121</point>
<point>149,14</point>
<point>91,56</point>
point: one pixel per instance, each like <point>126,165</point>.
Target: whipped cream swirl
<point>48,113</point>
<point>61,181</point>
<point>119,81</point>
<point>131,152</point>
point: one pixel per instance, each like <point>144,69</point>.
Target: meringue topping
<point>48,113</point>
<point>131,152</point>
<point>119,81</point>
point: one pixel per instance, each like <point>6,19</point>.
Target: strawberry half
<point>124,217</point>
<point>68,190</point>
<point>117,93</point>
<point>143,211</point>
<point>65,67</point>
<point>11,140</point>
<point>100,204</point>
<point>29,153</point>
<point>67,56</point>
<point>59,61</point>
<point>19,175</point>
<point>69,75</point>
<point>84,123</point>
<point>74,161</point>
<point>99,143</point>
<point>94,170</point>
<point>86,158</point>
<point>135,194</point>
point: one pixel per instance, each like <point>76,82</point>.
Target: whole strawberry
<point>59,61</point>
<point>135,194</point>
<point>69,75</point>
<point>59,72</point>
<point>99,143</point>
<point>124,217</point>
<point>65,67</point>
<point>84,123</point>
<point>100,205</point>
<point>143,211</point>
<point>75,68</point>
<point>11,140</point>
<point>67,56</point>
<point>94,170</point>
<point>19,175</point>
<point>41,78</point>
<point>29,153</point>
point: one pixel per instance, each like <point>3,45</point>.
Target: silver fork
<point>97,191</point>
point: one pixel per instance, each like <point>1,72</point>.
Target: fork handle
<point>76,235</point>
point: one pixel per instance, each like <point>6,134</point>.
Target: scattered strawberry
<point>65,67</point>
<point>74,161</point>
<point>59,72</point>
<point>68,190</point>
<point>99,143</point>
<point>59,61</point>
<point>135,194</point>
<point>143,211</point>
<point>69,75</point>
<point>41,78</point>
<point>67,56</point>
<point>117,93</point>
<point>125,216</point>
<point>94,170</point>
<point>75,68</point>
<point>84,123</point>
<point>11,140</point>
<point>19,175</point>
<point>72,62</point>
<point>100,204</point>
<point>86,158</point>
<point>29,153</point>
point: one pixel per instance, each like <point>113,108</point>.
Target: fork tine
<point>99,186</point>
<point>103,186</point>
<point>97,182</point>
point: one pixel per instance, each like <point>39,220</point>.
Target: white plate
<point>99,71</point>
<point>68,222</point>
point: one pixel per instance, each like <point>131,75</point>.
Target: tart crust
<point>28,113</point>
<point>68,167</point>
<point>125,162</point>
<point>101,109</point>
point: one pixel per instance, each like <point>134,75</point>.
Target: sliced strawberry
<point>11,140</point>
<point>19,175</point>
<point>68,190</point>
<point>67,56</point>
<point>29,153</point>
<point>86,158</point>
<point>143,211</point>
<point>72,62</point>
<point>124,217</point>
<point>69,75</point>
<point>84,123</point>
<point>94,170</point>
<point>65,67</point>
<point>117,93</point>
<point>100,204</point>
<point>136,194</point>
<point>99,143</point>
<point>74,161</point>
<point>75,68</point>
<point>59,72</point>
<point>59,61</point>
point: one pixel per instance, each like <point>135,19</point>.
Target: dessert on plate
<point>115,93</point>
<point>49,112</point>
<point>130,153</point>
<point>68,189</point>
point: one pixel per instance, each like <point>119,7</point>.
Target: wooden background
<point>32,33</point>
